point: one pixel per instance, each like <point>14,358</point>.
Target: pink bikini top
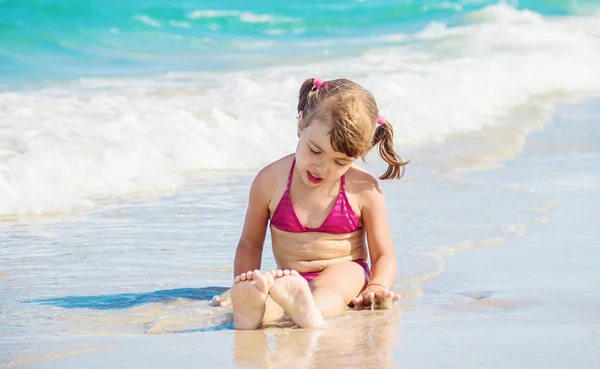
<point>341,219</point>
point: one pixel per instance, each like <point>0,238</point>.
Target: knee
<point>328,296</point>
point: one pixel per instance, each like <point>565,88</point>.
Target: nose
<point>321,166</point>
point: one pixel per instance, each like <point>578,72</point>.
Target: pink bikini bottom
<point>309,276</point>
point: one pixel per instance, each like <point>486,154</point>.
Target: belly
<point>315,251</point>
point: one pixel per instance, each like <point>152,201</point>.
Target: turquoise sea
<point>130,132</point>
<point>64,39</point>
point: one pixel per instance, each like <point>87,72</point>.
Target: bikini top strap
<point>289,182</point>
<point>343,184</point>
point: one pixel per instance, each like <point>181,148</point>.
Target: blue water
<point>65,39</point>
<point>129,300</point>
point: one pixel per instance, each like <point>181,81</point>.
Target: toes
<point>245,276</point>
<point>270,279</point>
<point>283,273</point>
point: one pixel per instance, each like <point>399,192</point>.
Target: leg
<point>292,293</point>
<point>248,297</point>
<point>336,286</point>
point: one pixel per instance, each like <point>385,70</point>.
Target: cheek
<point>334,171</point>
<point>340,171</point>
<point>302,156</point>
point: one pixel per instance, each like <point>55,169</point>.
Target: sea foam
<point>64,146</point>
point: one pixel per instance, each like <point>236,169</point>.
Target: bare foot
<point>248,295</point>
<point>292,293</point>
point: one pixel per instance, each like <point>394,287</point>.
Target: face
<point>316,161</point>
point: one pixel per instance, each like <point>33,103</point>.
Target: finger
<point>381,295</point>
<point>358,301</point>
<point>370,296</point>
<point>385,301</point>
<point>367,298</point>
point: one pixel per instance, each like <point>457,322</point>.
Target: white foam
<point>244,16</point>
<point>180,24</point>
<point>147,20</point>
<point>62,147</point>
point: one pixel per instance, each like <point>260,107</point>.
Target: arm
<point>249,250</point>
<point>379,238</point>
<point>381,249</point>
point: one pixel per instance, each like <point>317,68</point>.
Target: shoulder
<point>276,170</point>
<point>271,177</point>
<point>364,185</point>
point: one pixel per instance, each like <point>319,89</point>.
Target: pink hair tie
<point>318,82</point>
<point>380,119</point>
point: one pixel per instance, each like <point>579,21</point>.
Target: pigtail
<point>305,89</point>
<point>310,93</point>
<point>384,136</point>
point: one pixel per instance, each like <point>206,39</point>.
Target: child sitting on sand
<point>320,206</point>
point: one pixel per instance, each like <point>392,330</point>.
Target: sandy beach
<point>130,134</point>
<point>517,293</point>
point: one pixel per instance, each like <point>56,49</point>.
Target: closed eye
<point>313,151</point>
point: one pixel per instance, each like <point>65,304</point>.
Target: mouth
<point>313,178</point>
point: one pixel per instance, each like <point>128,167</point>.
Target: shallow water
<point>150,264</point>
<point>489,260</point>
<point>124,180</point>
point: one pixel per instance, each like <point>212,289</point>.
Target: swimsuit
<point>341,219</point>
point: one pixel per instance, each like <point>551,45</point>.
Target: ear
<point>299,123</point>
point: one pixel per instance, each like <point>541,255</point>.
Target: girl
<point>320,205</point>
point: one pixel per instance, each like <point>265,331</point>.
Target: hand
<point>375,296</point>
<point>223,300</point>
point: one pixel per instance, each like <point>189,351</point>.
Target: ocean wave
<point>65,146</point>
<point>244,16</point>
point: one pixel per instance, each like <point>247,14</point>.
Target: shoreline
<point>485,308</point>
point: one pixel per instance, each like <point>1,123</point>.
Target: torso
<point>308,250</point>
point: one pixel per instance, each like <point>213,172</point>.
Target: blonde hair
<point>352,112</point>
